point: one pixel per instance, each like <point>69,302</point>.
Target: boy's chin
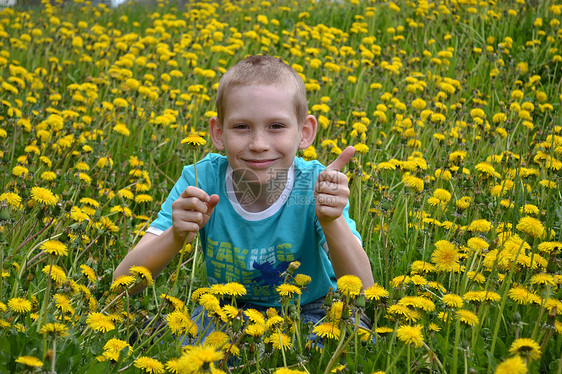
<point>263,179</point>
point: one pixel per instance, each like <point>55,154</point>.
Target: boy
<point>260,207</point>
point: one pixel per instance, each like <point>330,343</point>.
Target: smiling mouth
<point>260,164</point>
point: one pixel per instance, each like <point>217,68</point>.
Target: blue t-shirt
<point>254,249</point>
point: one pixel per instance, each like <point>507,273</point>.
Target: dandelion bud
<point>360,301</point>
<point>465,344</point>
<point>293,266</point>
<point>329,300</point>
<point>237,324</point>
<point>516,317</point>
<point>293,313</point>
<point>551,319</point>
<point>4,212</point>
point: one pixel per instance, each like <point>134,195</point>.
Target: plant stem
<point>43,316</point>
<point>343,343</point>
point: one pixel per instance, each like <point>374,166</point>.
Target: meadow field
<point>453,107</point>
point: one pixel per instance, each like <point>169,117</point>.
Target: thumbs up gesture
<point>331,190</point>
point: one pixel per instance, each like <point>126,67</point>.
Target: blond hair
<point>266,70</point>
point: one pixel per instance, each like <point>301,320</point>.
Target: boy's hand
<point>190,212</point>
<point>331,190</point>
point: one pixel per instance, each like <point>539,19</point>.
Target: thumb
<point>212,203</point>
<point>342,159</point>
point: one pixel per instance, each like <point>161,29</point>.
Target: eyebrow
<point>268,120</point>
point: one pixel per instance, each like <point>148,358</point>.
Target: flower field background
<point>453,108</point>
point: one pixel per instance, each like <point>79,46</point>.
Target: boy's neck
<point>256,197</point>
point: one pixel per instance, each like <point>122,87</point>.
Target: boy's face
<point>260,132</point>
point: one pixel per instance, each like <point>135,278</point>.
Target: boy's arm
<point>345,250</point>
<point>190,213</point>
<point>153,252</point>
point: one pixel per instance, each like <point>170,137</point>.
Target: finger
<point>188,221</point>
<point>192,191</point>
<point>213,201</point>
<point>190,204</point>
<point>342,159</point>
<point>325,211</point>
<point>332,176</point>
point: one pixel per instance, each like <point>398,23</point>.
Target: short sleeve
<point>164,219</point>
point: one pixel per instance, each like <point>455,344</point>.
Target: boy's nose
<point>259,142</point>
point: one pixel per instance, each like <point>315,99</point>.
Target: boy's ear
<point>216,133</point>
<point>308,132</point>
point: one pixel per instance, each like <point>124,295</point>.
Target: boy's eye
<point>276,126</point>
<point>240,126</point>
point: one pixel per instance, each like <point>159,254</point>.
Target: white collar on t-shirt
<point>274,208</point>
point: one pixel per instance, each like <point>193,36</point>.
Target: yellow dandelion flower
<point>404,311</point>
<point>43,196</point>
<point>20,171</point>
<point>349,285</point>
<point>328,330</point>
<point>56,272</point>
<point>434,327</point>
<point>422,267</point>
<point>521,295</point>
<point>19,305</point>
<point>194,140</point>
<point>445,257</point>
<point>235,289</point>
<point>88,273</point>
<point>477,244</point>
<point>55,330</point>
<point>442,195</point>
<point>543,279</point>
<point>513,365</point>
<point>99,322</point>
<point>467,317</point>
<point>274,321</point>
<point>143,198</point>
<point>123,281</point>
<point>255,316</point>
<point>210,302</point>
<point>530,226</point>
<point>142,273</point>
<point>196,359</point>
<point>89,201</point>
<point>216,339</point>
<point>288,290</point>
<point>526,348</point>
<point>29,361</point>
<point>149,365</point>
<point>63,303</point>
<point>11,198</point>
<point>255,329</point>
<point>415,183</point>
<point>54,247</point>
<point>180,323</point>
<point>279,340</point>
<point>48,176</point>
<point>549,247</point>
<point>411,335</point>
<point>452,300</point>
<point>376,292</point>
<point>302,280</point>
<point>116,345</point>
<point>480,225</point>
<point>553,306</point>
